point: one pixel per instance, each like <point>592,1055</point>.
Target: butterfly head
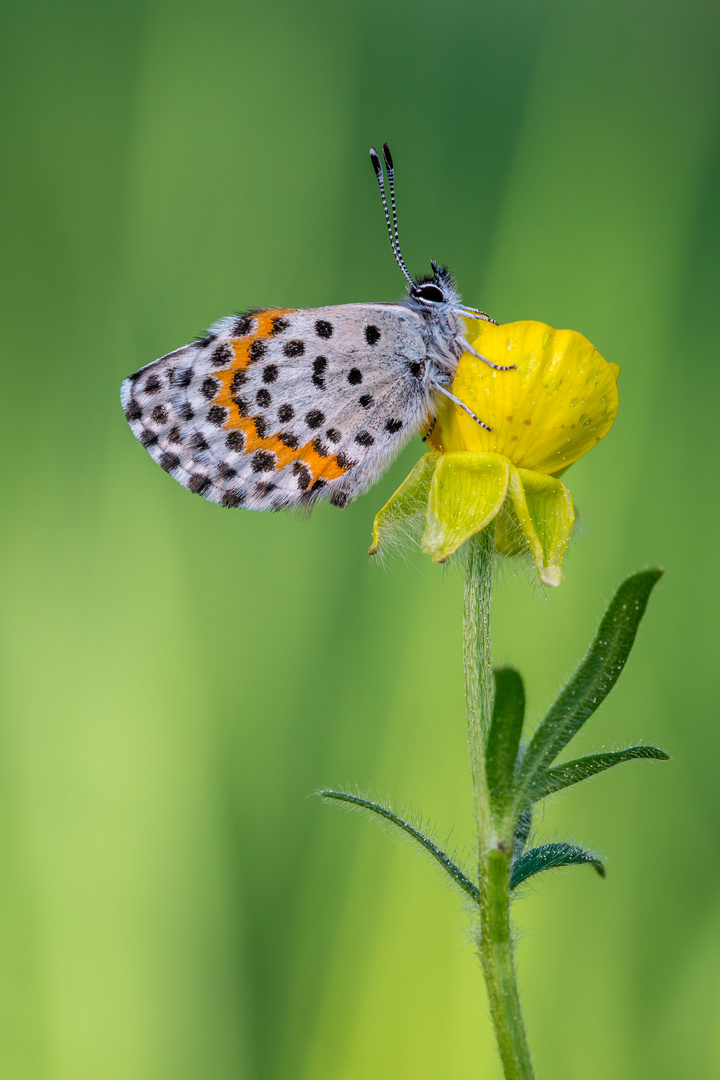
<point>436,288</point>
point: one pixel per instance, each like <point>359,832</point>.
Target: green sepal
<point>406,506</point>
<point>573,772</point>
<point>504,735</point>
<point>593,680</point>
<point>549,857</point>
<point>357,802</point>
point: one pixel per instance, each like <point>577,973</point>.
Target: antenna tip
<point>388,156</point>
<point>376,161</point>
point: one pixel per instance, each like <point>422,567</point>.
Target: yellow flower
<point>560,400</point>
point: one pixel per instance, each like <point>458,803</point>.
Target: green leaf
<point>549,857</point>
<point>504,734</point>
<point>357,802</point>
<point>522,832</point>
<point>593,680</point>
<point>572,772</point>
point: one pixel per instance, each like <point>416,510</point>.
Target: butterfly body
<point>277,408</point>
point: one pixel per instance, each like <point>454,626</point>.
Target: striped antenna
<point>394,239</point>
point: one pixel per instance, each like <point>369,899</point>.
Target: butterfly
<point>276,408</point>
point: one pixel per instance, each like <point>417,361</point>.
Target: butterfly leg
<point>467,347</point>
<point>474,313</point>
<point>462,405</point>
<point>429,431</point>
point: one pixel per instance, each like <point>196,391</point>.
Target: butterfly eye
<point>431,292</point>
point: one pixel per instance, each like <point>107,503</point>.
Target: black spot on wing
<point>198,443</point>
<point>320,448</point>
<point>241,327</point>
<point>263,461</point>
<point>217,415</point>
<point>314,418</point>
<point>221,356</point>
<point>182,377</point>
<point>198,484</point>
<point>344,461</point>
<point>235,441</point>
<point>168,461</point>
<point>294,348</point>
<point>303,475</point>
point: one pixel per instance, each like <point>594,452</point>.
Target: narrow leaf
<point>358,803</point>
<point>593,680</point>
<point>504,734</point>
<point>572,772</point>
<point>549,857</point>
<point>522,832</point>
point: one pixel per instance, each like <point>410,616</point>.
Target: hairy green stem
<point>495,830</point>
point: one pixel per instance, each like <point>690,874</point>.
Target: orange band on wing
<point>318,465</point>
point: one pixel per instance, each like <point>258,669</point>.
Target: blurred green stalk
<point>495,830</point>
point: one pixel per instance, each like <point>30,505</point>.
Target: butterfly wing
<point>278,408</point>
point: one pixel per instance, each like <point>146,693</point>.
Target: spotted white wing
<point>277,408</point>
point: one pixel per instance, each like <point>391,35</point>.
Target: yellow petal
<point>466,493</point>
<point>558,403</point>
<point>407,503</point>
<point>544,510</point>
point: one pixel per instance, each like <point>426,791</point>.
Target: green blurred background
<point>176,679</point>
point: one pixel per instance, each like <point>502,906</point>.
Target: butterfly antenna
<point>391,183</point>
<point>381,183</point>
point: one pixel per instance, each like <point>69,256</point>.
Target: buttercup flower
<point>560,400</point>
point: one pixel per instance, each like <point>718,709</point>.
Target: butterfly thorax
<point>442,331</point>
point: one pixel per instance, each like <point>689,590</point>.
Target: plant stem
<point>495,831</point>
<point>477,660</point>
